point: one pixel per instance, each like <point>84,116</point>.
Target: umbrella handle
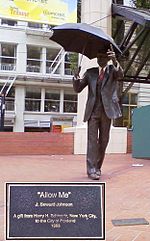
<point>77,72</point>
<point>81,60</point>
<point>111,48</point>
<point>82,53</point>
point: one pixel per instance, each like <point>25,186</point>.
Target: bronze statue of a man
<point>102,106</point>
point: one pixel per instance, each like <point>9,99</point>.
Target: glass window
<point>125,115</point>
<point>8,50</point>
<point>129,103</point>
<point>8,57</point>
<point>33,99</point>
<point>71,63</point>
<point>133,100</point>
<point>33,59</point>
<point>130,98</point>
<point>52,101</point>
<point>50,57</point>
<point>34,25</point>
<point>70,102</point>
<point>126,99</point>
<point>8,22</point>
<point>10,99</point>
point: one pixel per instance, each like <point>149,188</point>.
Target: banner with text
<point>40,11</point>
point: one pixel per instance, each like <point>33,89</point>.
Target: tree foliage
<point>141,3</point>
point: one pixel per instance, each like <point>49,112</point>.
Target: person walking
<point>102,106</point>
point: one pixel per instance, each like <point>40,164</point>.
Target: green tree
<point>141,3</point>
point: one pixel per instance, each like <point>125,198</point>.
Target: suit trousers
<point>98,137</point>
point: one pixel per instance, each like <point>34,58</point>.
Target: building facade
<point>42,96</point>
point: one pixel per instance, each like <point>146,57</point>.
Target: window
<point>50,56</point>
<point>8,57</point>
<point>35,25</point>
<point>129,103</point>
<point>10,100</point>
<point>50,26</point>
<point>33,59</point>
<point>52,101</point>
<point>71,63</point>
<point>70,102</point>
<point>8,22</point>
<point>33,99</point>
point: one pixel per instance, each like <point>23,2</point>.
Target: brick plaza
<point>127,186</point>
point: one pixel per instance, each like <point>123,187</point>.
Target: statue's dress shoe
<point>98,172</point>
<point>94,176</point>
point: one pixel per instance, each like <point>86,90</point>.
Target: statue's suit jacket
<point>108,90</point>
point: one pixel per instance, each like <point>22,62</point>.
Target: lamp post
<point>2,111</point>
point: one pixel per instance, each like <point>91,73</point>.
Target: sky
<point>127,3</point>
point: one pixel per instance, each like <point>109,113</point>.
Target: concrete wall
<point>117,142</point>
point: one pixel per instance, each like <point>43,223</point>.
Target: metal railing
<point>8,67</point>
<point>56,66</point>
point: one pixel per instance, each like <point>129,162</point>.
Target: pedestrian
<point>102,106</point>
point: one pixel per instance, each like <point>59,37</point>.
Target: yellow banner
<point>52,12</point>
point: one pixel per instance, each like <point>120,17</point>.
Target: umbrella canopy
<point>83,38</point>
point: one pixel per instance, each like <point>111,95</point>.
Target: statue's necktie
<point>101,75</point>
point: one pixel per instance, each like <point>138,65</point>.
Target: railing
<point>33,65</point>
<point>8,82</point>
<point>34,68</point>
<point>8,67</point>
<point>50,66</point>
<point>56,66</point>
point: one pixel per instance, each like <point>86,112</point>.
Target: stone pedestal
<point>117,142</point>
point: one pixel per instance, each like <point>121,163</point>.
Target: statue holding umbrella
<point>103,103</point>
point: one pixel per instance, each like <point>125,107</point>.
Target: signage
<point>41,11</point>
<point>38,211</point>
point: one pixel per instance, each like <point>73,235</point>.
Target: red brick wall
<point>129,141</point>
<point>30,143</point>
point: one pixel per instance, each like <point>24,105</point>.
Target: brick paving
<point>127,187</point>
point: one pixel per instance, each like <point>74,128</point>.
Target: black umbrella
<point>83,38</point>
